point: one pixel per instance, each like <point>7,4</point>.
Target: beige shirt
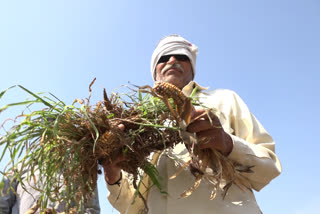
<point>252,145</point>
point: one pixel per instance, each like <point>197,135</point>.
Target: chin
<point>175,82</point>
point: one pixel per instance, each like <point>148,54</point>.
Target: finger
<point>210,134</point>
<point>197,112</point>
<point>207,144</point>
<point>215,139</point>
<point>202,125</point>
<point>120,158</point>
<point>217,143</point>
<point>114,164</point>
<point>202,113</point>
<point>121,127</point>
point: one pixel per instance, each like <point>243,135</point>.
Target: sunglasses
<point>178,57</point>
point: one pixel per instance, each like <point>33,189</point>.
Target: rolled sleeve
<point>253,146</point>
<point>120,196</point>
<point>266,165</point>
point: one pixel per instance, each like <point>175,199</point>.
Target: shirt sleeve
<point>124,197</point>
<point>252,145</point>
<point>120,196</point>
<point>7,196</point>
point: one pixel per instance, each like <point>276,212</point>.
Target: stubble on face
<point>180,77</point>
<point>172,66</point>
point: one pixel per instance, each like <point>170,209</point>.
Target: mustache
<point>169,66</point>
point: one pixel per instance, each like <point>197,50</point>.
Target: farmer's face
<point>174,71</point>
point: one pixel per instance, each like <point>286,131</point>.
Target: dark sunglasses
<point>179,57</point>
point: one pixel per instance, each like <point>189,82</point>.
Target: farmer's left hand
<point>210,131</point>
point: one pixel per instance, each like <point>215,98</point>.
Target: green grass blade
<point>4,91</point>
<point>36,96</point>
<point>4,150</point>
<point>16,104</point>
<point>194,91</point>
<point>153,173</point>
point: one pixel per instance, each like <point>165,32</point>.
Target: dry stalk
<point>223,169</point>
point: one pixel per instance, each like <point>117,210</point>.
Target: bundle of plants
<point>67,142</point>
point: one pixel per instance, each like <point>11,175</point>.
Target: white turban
<point>174,44</point>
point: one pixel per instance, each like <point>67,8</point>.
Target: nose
<point>172,60</point>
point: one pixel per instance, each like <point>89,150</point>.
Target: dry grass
<point>71,140</point>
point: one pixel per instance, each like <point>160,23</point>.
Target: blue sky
<point>266,51</point>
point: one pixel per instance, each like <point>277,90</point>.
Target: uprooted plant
<point>66,143</point>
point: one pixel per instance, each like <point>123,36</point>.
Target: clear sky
<point>267,51</point>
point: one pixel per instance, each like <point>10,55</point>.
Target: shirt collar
<point>187,90</point>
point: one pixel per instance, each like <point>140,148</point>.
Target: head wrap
<point>174,44</point>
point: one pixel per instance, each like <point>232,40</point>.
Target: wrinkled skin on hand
<point>209,130</point>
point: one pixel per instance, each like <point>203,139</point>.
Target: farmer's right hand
<point>112,172</point>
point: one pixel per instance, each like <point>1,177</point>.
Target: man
<point>241,139</point>
<point>17,200</point>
